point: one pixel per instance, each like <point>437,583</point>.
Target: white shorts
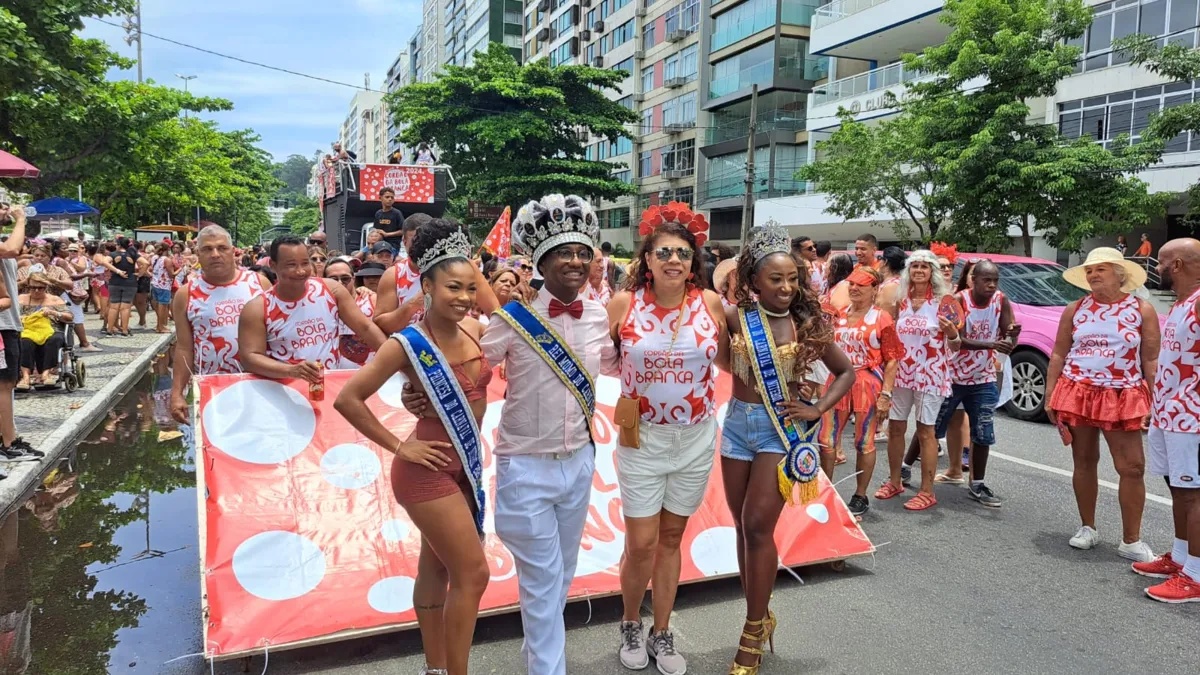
<point>670,471</point>
<point>1176,456</point>
<point>904,400</point>
<point>76,310</point>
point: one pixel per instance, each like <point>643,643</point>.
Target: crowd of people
<point>813,341</point>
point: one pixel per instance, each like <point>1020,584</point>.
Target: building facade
<point>1105,97</point>
<point>399,75</point>
<point>364,131</point>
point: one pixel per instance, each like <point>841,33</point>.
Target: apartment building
<point>398,75</point>
<point>864,40</point>
<point>471,24</point>
<point>364,131</point>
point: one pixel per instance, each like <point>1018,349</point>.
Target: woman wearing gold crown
<point>777,333</point>
<point>437,472</point>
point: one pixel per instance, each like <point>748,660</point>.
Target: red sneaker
<point>1178,589</point>
<point>1162,567</point>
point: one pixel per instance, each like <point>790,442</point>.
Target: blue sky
<point>337,39</point>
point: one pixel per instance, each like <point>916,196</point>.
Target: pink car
<point>1039,295</point>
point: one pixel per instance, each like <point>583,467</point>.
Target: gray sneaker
<point>662,648</point>
<point>633,646</point>
<point>984,495</point>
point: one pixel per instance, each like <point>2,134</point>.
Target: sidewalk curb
<point>22,477</point>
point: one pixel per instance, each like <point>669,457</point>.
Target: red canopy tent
<point>15,167</point>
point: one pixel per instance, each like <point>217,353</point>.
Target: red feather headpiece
<point>674,212</point>
<point>944,250</point>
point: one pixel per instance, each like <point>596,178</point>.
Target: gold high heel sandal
<point>764,636</point>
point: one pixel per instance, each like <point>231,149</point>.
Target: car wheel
<point>1029,394</point>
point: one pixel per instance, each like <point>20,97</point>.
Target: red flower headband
<point>674,212</point>
<point>944,250</point>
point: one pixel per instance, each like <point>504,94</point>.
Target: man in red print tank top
<point>206,311</point>
<point>1175,425</point>
<point>293,330</point>
<point>400,300</point>
<point>989,322</point>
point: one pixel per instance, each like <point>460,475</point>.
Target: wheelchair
<point>72,371</point>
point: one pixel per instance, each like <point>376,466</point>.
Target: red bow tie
<point>575,309</point>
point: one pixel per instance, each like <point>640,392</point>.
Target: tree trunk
<point>1026,240</point>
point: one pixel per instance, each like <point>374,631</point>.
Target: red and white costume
<point>213,311</point>
<point>1174,437</point>
<point>305,330</point>
<point>978,366</point>
<point>1102,384</point>
<point>354,352</point>
<point>923,378</point>
<point>408,281</point>
<point>601,295</point>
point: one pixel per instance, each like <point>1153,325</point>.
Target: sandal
<point>840,459</point>
<point>888,490</point>
<point>948,479</point>
<point>922,501</point>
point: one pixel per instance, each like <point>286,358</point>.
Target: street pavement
<point>958,588</point>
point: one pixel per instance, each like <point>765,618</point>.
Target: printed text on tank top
<point>863,341</point>
<point>304,329</point>
<point>1106,344</point>
<point>213,311</point>
<point>977,366</point>
<point>667,356</point>
<point>925,365</point>
<point>1177,385</point>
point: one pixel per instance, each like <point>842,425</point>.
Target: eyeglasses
<point>318,259</point>
<point>810,247</point>
<point>664,253</point>
<point>345,278</point>
<point>567,255</point>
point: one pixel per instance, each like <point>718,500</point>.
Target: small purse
<point>628,418</point>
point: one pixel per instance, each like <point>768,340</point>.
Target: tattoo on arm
<point>430,607</point>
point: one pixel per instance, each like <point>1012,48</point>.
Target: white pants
<point>541,509</point>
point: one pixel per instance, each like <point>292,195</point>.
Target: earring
<point>428,302</point>
<point>691,276</point>
<point>649,276</point>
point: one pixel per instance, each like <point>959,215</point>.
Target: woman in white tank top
<point>1100,377</point>
<point>669,332</point>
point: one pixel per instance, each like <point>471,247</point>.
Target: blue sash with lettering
<point>555,352</point>
<point>451,405</point>
<point>803,459</point>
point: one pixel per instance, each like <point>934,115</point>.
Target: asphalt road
<point>959,588</point>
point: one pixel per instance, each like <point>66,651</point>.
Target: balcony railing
<point>840,9</point>
<point>878,79</point>
<point>799,12</point>
<point>770,120</point>
<point>735,186</point>
<point>794,68</point>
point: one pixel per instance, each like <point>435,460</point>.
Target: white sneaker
<point>1085,538</point>
<point>941,448</point>
<point>1138,551</point>
<point>633,646</point>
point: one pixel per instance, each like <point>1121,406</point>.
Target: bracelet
<point>886,393</point>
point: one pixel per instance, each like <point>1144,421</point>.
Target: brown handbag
<point>628,417</point>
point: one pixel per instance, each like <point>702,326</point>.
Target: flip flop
<point>921,502</point>
<point>951,480</point>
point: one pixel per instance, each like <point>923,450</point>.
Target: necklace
<point>777,315</point>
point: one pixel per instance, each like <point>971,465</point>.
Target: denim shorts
<point>979,402</point>
<point>162,296</point>
<point>748,431</point>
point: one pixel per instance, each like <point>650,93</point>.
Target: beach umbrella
<point>61,206</point>
<point>15,167</point>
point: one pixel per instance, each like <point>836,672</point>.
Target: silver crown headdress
<point>456,245</point>
<point>769,238</point>
<point>560,223</point>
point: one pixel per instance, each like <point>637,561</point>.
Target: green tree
<point>294,173</point>
<point>515,132</point>
<point>304,217</point>
<point>1179,63</point>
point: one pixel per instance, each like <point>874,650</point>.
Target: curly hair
<point>941,287</point>
<point>428,235</point>
<point>638,278</point>
<point>813,332</point>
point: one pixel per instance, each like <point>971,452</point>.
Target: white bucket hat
<point>1135,275</point>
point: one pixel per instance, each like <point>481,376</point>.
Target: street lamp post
<point>186,79</point>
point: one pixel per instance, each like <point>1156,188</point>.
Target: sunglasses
<point>664,253</point>
<point>810,247</point>
<point>345,278</point>
<point>317,259</point>
<point>37,288</point>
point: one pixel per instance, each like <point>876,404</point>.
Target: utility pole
<point>748,204</point>
<point>133,30</point>
<point>186,79</point>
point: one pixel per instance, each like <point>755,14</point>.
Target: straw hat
<point>722,272</point>
<point>1135,275</point>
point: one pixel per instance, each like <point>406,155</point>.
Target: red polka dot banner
<point>411,183</point>
<point>303,541</point>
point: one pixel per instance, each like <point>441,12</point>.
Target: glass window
<point>671,66</point>
<point>687,107</point>
<point>1142,110</point>
<point>1068,124</point>
<point>1154,17</point>
<point>623,176</point>
<point>689,15</point>
<point>647,121</point>
<point>648,36</point>
<point>753,66</point>
<point>688,63</point>
<point>626,101</point>
<point>680,156</point>
<point>684,194</point>
<point>672,16</point>
<point>1120,119</point>
<point>644,163</point>
<point>1183,15</point>
<point>624,146</point>
<point>1093,123</point>
<point>648,79</point>
<point>742,21</point>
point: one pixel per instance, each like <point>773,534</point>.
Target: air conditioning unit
<point>585,35</point>
<point>544,5</point>
<point>574,46</point>
<point>576,15</point>
<point>641,11</point>
<point>638,98</point>
<point>543,34</point>
<point>678,127</point>
<point>674,174</point>
<point>598,62</point>
<point>674,82</point>
<point>639,54</point>
<point>677,35</point>
<point>598,26</point>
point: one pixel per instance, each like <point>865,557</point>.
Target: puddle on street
<point>99,569</point>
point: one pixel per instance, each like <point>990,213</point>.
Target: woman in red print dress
<point>668,330</point>
<point>428,475</point>
<point>867,335</point>
<point>923,380</point>
<point>773,285</point>
<point>1101,373</point>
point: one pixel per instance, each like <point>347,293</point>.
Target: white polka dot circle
<point>714,551</point>
<point>392,390</point>
<point>392,595</point>
<point>259,422</point>
<point>817,512</point>
<point>350,466</point>
<point>278,565</point>
<point>395,530</point>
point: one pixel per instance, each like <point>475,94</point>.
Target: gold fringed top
<point>793,363</point>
